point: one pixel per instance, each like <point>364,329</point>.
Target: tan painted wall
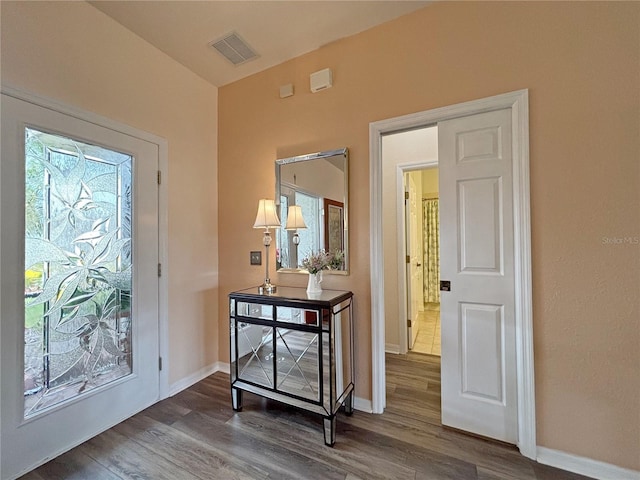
<point>581,62</point>
<point>430,183</point>
<point>71,52</point>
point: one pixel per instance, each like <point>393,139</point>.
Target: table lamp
<point>267,218</point>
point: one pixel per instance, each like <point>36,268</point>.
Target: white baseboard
<point>362,405</point>
<point>392,348</point>
<point>204,372</point>
<point>585,466</point>
<point>224,368</point>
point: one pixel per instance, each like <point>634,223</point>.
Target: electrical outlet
<point>256,258</point>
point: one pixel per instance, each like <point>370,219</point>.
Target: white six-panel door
<point>477,314</point>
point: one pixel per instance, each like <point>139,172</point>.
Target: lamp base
<point>267,288</point>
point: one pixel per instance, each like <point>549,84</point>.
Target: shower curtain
<point>431,226</point>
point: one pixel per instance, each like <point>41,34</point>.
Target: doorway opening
<point>87,326</point>
<point>422,247</point>
<point>411,208</point>
<point>476,193</point>
<point>412,256</point>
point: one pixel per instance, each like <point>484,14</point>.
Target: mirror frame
<point>345,229</point>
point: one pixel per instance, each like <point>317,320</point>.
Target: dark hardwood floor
<point>196,435</point>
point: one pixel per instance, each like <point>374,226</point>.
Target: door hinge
<point>406,195</point>
<point>159,363</point>
<point>159,269</point>
<point>159,177</point>
<point>408,259</point>
<point>408,322</point>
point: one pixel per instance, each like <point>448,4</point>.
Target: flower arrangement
<point>323,260</point>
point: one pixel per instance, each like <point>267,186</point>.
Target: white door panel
<point>480,204</point>
<point>477,315</point>
<point>481,328</point>
<point>29,439</point>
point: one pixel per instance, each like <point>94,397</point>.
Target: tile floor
<point>428,339</point>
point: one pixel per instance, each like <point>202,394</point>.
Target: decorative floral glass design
<point>78,268</point>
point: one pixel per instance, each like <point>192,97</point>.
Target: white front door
<point>414,260</point>
<point>477,257</point>
<point>79,284</point>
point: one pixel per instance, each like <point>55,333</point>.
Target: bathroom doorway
<point>422,247</point>
<point>412,261</point>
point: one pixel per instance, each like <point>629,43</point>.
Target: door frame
<point>518,102</point>
<point>163,220</point>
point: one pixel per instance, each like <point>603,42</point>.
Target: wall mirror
<point>318,184</point>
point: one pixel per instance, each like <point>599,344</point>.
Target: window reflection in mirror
<point>318,184</point>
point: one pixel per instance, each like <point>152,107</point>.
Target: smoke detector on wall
<point>234,49</point>
<point>321,80</point>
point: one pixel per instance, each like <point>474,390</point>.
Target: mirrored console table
<point>294,349</point>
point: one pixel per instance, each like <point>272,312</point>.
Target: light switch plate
<point>256,258</point>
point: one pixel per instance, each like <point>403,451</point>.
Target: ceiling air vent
<point>234,49</point>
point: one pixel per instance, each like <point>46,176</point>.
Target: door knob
<point>445,285</point>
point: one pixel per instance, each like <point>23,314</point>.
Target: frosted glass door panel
<point>77,268</point>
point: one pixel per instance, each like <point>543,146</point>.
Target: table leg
<point>348,404</point>
<point>236,399</point>
<point>330,430</point>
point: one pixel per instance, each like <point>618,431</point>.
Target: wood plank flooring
<point>196,435</point>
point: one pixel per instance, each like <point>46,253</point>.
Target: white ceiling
<point>276,30</point>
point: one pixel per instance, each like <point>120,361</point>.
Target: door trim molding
<point>163,218</point>
<point>519,104</point>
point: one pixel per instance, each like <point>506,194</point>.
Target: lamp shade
<point>267,215</point>
<point>294,218</point>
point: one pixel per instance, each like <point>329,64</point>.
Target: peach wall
<point>581,64</point>
<point>73,53</point>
